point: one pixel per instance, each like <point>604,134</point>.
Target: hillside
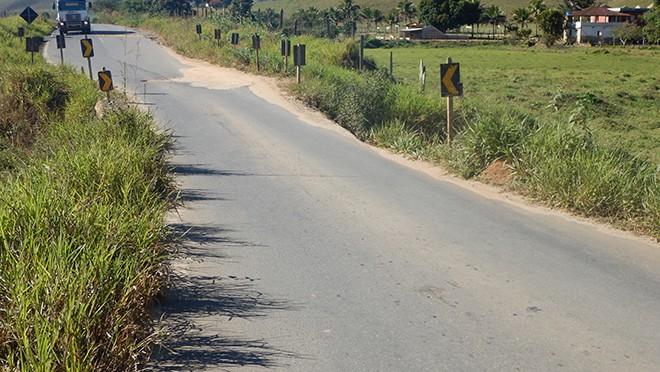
<point>290,6</point>
<point>17,6</point>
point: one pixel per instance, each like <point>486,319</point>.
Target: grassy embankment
<point>556,157</point>
<point>82,203</point>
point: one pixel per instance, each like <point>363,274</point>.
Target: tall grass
<point>82,201</point>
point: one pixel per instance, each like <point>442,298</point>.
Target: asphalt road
<point>305,250</point>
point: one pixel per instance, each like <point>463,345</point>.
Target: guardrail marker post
<point>450,112</point>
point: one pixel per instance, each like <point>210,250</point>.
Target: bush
<point>498,133</point>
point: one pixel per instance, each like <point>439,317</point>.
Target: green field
<point>621,86</point>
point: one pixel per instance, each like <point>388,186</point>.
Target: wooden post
<point>391,65</point>
<point>450,113</point>
<point>361,55</point>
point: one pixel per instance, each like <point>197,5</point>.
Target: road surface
<point>305,250</point>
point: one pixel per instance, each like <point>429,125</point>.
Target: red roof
<point>597,11</point>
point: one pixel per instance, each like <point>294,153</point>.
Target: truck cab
<point>73,15</point>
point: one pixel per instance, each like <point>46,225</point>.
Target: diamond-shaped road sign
<point>29,15</point>
<point>87,48</point>
<point>450,77</point>
<point>105,81</point>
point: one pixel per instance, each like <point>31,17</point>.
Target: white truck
<point>73,15</point>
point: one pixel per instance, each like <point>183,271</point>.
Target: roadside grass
<point>616,89</point>
<point>82,232</point>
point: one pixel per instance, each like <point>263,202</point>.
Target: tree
<point>377,17</point>
<point>393,18</point>
<point>494,15</point>
<point>436,13</point>
<point>331,17</point>
<point>652,28</point>
<point>551,22</point>
<point>350,13</point>
<point>571,5</point>
<point>241,9</point>
<point>366,14</point>
<point>628,32</point>
<point>522,16</point>
<point>536,7</point>
<point>268,18</point>
<point>474,10</point>
<point>407,10</point>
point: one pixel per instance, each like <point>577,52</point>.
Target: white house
<point>595,24</point>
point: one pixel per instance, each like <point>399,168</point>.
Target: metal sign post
<point>450,83</point>
<point>61,44</point>
<point>32,45</point>
<point>299,59</point>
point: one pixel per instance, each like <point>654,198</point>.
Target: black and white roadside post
<point>235,38</point>
<point>299,59</point>
<point>198,29</point>
<point>422,75</point>
<point>217,35</point>
<point>61,44</point>
<point>361,54</point>
<point>87,52</point>
<point>286,52</point>
<point>450,87</point>
<point>256,45</point>
<point>281,19</point>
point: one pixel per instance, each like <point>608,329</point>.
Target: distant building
<point>422,33</point>
<point>595,24</point>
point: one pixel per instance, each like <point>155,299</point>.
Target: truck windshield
<point>72,5</point>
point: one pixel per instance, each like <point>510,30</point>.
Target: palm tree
<point>476,10</point>
<point>522,16</point>
<point>407,10</point>
<point>366,14</point>
<point>494,15</point>
<point>377,17</point>
<point>350,14</point>
<point>537,7</point>
<point>393,17</point>
<point>331,16</point>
